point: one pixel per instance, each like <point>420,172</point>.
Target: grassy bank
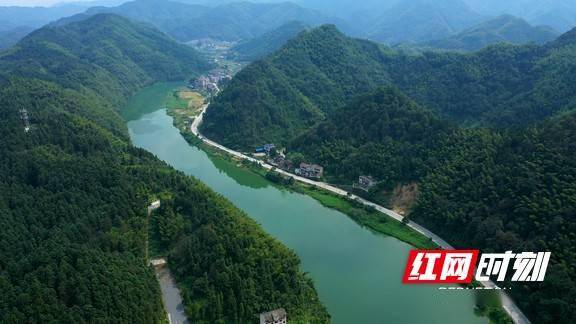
<point>367,216</point>
<point>184,105</point>
<point>363,215</point>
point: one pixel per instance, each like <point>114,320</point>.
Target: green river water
<point>357,273</point>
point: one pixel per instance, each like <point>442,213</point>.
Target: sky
<point>31,3</point>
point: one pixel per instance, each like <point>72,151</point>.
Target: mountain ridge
<point>505,28</point>
<point>228,22</point>
<point>322,69</point>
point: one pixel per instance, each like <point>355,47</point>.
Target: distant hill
<point>229,22</point>
<point>16,22</point>
<point>419,21</point>
<point>12,36</point>
<point>130,60</point>
<point>559,14</point>
<point>12,17</point>
<point>502,29</point>
<point>268,43</point>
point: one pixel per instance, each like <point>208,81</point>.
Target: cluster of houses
<point>279,160</point>
<point>210,83</point>
<point>274,157</point>
<point>208,44</point>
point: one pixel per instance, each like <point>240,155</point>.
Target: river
<point>357,272</point>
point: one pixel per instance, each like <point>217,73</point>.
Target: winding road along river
<point>357,273</point>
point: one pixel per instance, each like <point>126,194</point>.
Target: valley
<point>346,262</point>
<point>196,161</point>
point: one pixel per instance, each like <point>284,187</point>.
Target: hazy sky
<point>29,3</point>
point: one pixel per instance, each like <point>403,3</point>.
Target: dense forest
<point>511,190</point>
<point>383,134</point>
<point>321,70</point>
<point>74,194</point>
<point>437,122</point>
<point>499,190</point>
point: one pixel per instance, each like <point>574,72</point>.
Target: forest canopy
<point>74,194</point>
<point>487,139</point>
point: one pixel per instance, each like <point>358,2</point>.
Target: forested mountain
<point>560,14</point>
<point>376,134</point>
<point>268,43</point>
<point>502,29</point>
<point>499,189</point>
<point>511,190</point>
<point>17,22</point>
<point>74,194</point>
<point>284,94</point>
<point>496,190</point>
<point>229,22</point>
<point>418,21</point>
<point>77,56</point>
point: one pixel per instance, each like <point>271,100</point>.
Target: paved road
<point>171,296</point>
<point>507,303</point>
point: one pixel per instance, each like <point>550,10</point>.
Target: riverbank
<point>251,255</point>
<point>346,261</point>
<point>364,215</point>
<point>328,199</point>
<point>361,214</point>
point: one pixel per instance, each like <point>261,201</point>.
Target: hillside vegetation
<point>280,96</point>
<point>74,194</point>
<point>357,108</point>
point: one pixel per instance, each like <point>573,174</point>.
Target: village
<point>277,158</point>
<point>211,83</point>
